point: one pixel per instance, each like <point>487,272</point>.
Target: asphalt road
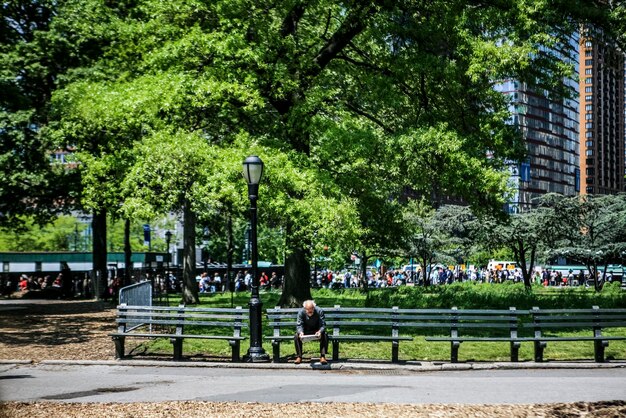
<point>117,383</point>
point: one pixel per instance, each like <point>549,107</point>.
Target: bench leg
<point>276,351</point>
<point>236,350</point>
<point>335,350</point>
<point>119,346</point>
<point>598,350</point>
<point>539,346</point>
<point>178,348</point>
<point>515,345</point>
<point>454,351</point>
<point>395,346</point>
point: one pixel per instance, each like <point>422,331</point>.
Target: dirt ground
<point>77,330</point>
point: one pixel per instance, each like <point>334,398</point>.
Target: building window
<point>589,97</point>
<point>588,89</point>
<point>589,62</point>
<point>588,116</point>
<point>589,134</point>
<point>589,80</point>
<point>37,265</point>
<point>589,153</point>
<point>589,125</point>
<point>589,144</point>
<point>591,171</point>
<point>589,107</point>
<point>588,44</point>
<point>589,71</point>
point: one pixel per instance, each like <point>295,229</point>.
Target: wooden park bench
<point>549,325</point>
<point>178,324</point>
<point>343,324</point>
<point>471,325</point>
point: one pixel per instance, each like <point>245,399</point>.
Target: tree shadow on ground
<point>54,323</point>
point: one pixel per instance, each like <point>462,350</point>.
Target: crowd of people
<point>441,275</point>
<point>63,285</point>
<point>66,285</point>
<point>210,283</point>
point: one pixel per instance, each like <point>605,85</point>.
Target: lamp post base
<point>256,355</point>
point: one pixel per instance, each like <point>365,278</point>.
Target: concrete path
<point>459,384</point>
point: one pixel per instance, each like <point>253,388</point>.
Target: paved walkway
<point>145,381</point>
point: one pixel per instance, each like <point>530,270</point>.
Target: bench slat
<point>368,337</point>
<point>476,339</point>
<point>360,323</point>
<point>577,311</point>
<point>601,324</point>
<point>176,308</point>
<point>542,318</point>
<point>197,336</point>
<point>574,338</point>
<point>180,316</point>
<point>216,324</point>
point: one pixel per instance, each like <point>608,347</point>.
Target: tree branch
<point>368,116</point>
<point>290,23</point>
<point>354,24</point>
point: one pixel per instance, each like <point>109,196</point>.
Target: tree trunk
<point>363,282</point>
<point>297,285</point>
<point>128,252</point>
<point>426,269</point>
<point>190,286</point>
<point>99,252</point>
<point>596,283</point>
<point>229,254</point>
<point>296,288</point>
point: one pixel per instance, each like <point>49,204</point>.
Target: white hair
<point>309,302</point>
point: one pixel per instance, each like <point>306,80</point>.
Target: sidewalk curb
<point>338,366</point>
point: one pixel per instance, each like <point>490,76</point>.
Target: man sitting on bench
<point>311,325</point>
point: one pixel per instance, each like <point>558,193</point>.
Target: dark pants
<point>323,344</point>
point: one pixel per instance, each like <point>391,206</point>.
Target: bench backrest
<point>467,321</point>
<point>594,318</point>
<point>180,317</point>
<point>395,319</point>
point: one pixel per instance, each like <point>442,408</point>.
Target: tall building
<point>602,115</point>
<point>550,126</point>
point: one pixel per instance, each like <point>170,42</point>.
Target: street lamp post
<point>168,239</point>
<point>252,172</point>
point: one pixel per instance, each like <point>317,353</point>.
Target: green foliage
<point>495,296</point>
<point>64,233</point>
<point>38,48</point>
<point>352,105</point>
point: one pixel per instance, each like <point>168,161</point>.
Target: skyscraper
<point>602,115</point>
<point>550,126</point>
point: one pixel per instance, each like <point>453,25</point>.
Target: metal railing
<point>139,294</point>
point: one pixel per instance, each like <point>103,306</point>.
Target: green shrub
<point>470,295</point>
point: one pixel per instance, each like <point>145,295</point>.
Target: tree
<point>592,232</point>
<point>459,225</point>
<point>391,98</point>
<point>425,239</point>
<point>523,234</point>
<point>62,234</point>
<point>32,59</point>
<point>170,175</point>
